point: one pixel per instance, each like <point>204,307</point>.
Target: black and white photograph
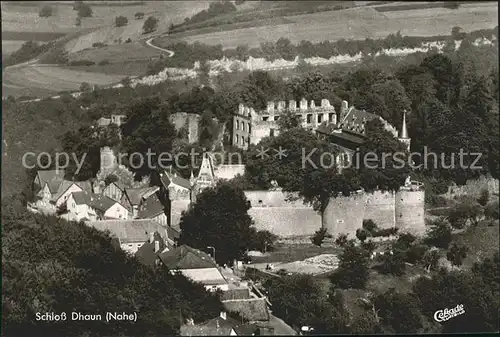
<point>250,168</point>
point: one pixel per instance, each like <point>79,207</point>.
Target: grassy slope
<point>34,127</point>
<point>356,23</point>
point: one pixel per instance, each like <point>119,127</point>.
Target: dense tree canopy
<point>73,267</point>
<point>219,219</point>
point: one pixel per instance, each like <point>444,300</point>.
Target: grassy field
<point>358,23</point>
<point>53,77</point>
<point>294,252</point>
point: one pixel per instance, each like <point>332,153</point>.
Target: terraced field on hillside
<point>359,23</point>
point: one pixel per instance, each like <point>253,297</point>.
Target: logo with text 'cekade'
<point>446,314</point>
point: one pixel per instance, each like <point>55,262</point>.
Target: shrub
<point>468,210</point>
<point>341,240</point>
<point>150,25</point>
<point>361,234</point>
<point>128,40</point>
<point>370,225</point>
<point>491,211</point>
<point>319,236</point>
<point>121,21</point>
<point>85,87</point>
<point>98,44</point>
<point>415,254</point>
<point>393,263</point>
<point>82,63</point>
<point>385,232</point>
<point>45,12</point>
<point>84,11</point>
<point>353,269</point>
<point>457,254</point>
<point>430,259</point>
<point>263,241</point>
<point>110,179</point>
<point>139,15</point>
<point>104,62</point>
<point>440,234</point>
<point>484,197</point>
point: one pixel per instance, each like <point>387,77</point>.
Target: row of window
<point>309,118</point>
<point>240,125</point>
<point>241,140</point>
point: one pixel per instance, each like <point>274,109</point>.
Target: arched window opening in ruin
<point>309,118</point>
<point>320,118</point>
<point>330,116</point>
<point>265,118</point>
<point>237,125</point>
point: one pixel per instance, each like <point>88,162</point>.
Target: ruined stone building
<point>249,126</point>
<point>272,210</point>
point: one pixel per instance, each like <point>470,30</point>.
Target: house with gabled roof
<point>84,205</point>
<point>56,192</point>
<point>153,209</point>
<point>114,190</point>
<point>195,265</point>
<point>131,235</point>
<point>133,198</point>
<point>44,176</point>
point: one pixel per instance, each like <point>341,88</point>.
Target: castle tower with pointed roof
<point>403,136</point>
<point>206,176</point>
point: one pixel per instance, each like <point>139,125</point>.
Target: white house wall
<point>117,211</point>
<point>64,197</point>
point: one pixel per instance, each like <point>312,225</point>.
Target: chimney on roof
<point>223,315</point>
<point>270,106</point>
<point>303,104</point>
<point>292,105</point>
<point>312,105</point>
<point>241,108</point>
<point>281,105</point>
<point>157,246</point>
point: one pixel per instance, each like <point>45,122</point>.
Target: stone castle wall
<point>380,207</point>
<point>271,211</point>
<point>345,214</point>
<point>410,211</point>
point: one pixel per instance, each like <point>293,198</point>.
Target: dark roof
<point>146,253</point>
<point>167,178</point>
<point>129,230</point>
<point>214,327</point>
<point>135,195</point>
<point>101,202</point>
<point>254,309</point>
<point>54,185</point>
<point>45,176</point>
<point>172,233</point>
<point>355,119</point>
<point>84,185</point>
<point>185,257</point>
<point>151,208</point>
<point>82,198</point>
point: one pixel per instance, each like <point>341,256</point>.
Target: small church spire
<point>404,131</point>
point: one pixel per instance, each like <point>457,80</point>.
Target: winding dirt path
<point>150,43</point>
